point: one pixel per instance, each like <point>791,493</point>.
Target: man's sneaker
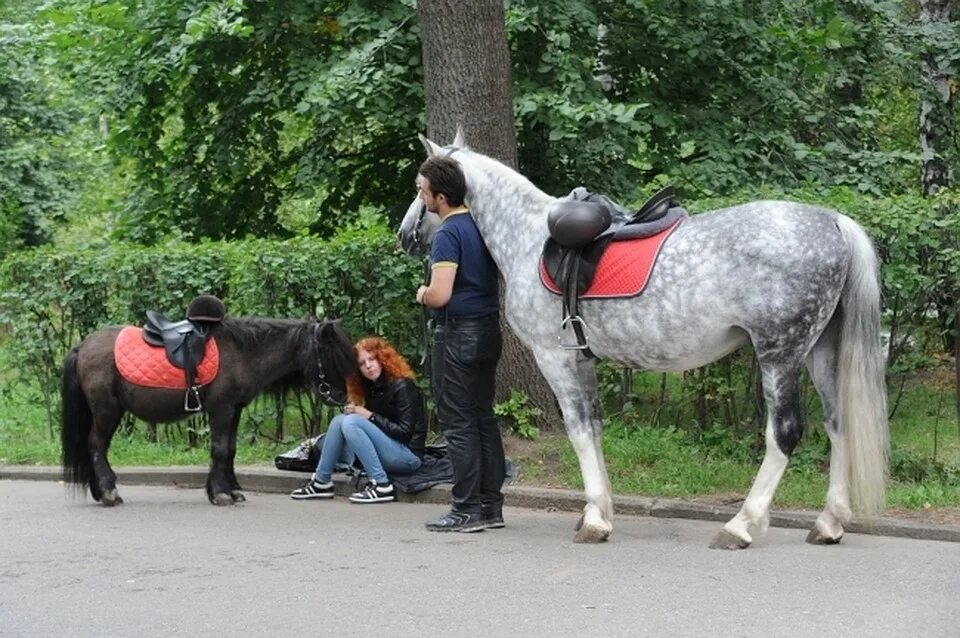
<point>374,493</point>
<point>313,489</point>
<point>454,521</point>
<point>492,518</point>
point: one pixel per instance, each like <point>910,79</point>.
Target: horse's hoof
<point>111,498</point>
<point>726,540</point>
<point>816,537</point>
<point>237,496</point>
<point>590,534</point>
<point>222,499</point>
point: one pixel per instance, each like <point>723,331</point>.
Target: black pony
<point>256,355</point>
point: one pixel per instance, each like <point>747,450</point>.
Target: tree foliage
<point>235,118</point>
<point>32,164</point>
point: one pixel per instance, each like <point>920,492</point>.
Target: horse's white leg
<point>783,431</point>
<point>822,365</point>
<point>574,382</point>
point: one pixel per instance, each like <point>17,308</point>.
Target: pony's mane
<point>251,332</point>
<point>297,338</point>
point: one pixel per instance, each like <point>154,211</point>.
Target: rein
<point>425,327</point>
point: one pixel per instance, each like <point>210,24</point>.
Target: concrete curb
<point>272,481</point>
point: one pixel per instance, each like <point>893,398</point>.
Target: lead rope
<point>425,326</point>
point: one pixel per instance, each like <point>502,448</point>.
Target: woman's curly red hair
<point>393,364</point>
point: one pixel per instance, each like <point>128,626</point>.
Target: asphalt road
<point>166,563</point>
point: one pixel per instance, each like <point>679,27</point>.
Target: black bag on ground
<point>303,458</point>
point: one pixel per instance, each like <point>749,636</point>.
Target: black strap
<point>425,326</point>
<point>571,309</point>
<point>189,373</point>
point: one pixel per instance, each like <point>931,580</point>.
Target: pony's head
<point>419,225</point>
<point>335,361</point>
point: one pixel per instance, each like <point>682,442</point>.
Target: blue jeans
<point>351,435</point>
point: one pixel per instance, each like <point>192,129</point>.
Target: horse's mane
<point>504,174</point>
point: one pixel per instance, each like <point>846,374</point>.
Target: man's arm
<point>438,293</point>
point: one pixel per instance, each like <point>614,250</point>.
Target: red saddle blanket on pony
<point>624,268</point>
<point>142,364</point>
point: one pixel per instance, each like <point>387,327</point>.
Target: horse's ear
<point>458,140</point>
<point>430,147</point>
<point>331,328</point>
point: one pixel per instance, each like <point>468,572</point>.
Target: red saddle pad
<point>142,364</point>
<point>624,268</point>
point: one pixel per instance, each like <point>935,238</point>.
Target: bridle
<point>324,389</point>
<point>416,229</point>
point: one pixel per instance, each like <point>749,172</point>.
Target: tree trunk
<point>937,98</point>
<point>467,81</point>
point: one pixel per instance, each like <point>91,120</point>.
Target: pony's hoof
<point>237,496</point>
<point>590,534</point>
<point>111,498</point>
<point>726,540</point>
<point>816,537</point>
<point>222,499</point>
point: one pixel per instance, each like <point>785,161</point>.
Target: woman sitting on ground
<point>384,426</point>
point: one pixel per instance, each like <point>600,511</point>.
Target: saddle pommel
<point>576,223</point>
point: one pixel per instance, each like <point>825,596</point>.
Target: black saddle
<point>185,343</point>
<point>581,228</point>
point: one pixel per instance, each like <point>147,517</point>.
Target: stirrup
<point>578,325</point>
<point>193,391</point>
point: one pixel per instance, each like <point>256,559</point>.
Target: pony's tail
<point>862,387</point>
<point>77,420</point>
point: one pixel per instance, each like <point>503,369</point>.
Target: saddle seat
<point>582,228</point>
<point>185,345</point>
<point>183,341</point>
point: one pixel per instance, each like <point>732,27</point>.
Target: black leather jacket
<point>398,410</point>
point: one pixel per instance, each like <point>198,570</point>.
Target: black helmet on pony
<point>206,308</point>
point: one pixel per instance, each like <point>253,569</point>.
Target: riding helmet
<point>206,308</point>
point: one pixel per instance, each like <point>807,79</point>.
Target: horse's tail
<point>862,387</point>
<point>77,421</point>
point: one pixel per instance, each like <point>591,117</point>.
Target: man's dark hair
<point>445,177</point>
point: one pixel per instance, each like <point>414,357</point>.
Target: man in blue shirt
<point>466,347</point>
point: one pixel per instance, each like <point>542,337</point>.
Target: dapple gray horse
<point>798,282</point>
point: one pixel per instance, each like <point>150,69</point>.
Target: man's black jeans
<point>464,358</point>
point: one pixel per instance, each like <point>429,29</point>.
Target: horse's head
<point>419,225</point>
<point>335,361</point>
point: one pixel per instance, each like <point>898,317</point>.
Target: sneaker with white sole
<point>374,493</point>
<point>454,521</point>
<point>313,489</point>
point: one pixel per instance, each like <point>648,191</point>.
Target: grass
<point>660,460</point>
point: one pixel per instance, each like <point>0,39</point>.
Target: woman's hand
<point>359,410</point>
